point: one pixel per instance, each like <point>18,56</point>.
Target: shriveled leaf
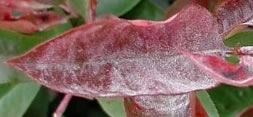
<point>232,13</point>
<point>113,107</point>
<point>115,7</point>
<point>116,57</point>
<point>158,106</point>
<point>18,98</point>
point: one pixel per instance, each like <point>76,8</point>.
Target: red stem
<point>92,10</point>
<point>61,108</point>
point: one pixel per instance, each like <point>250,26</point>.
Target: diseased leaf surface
<point>158,106</point>
<point>225,72</point>
<point>117,57</point>
<point>231,13</point>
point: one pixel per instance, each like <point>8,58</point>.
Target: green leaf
<point>53,31</point>
<point>115,7</point>
<point>16,98</point>
<point>207,103</point>
<point>240,39</point>
<point>39,106</point>
<point>231,100</point>
<point>113,107</point>
<point>163,4</point>
<point>80,6</point>
<point>12,43</point>
<point>146,10</point>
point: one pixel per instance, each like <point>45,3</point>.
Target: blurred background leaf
<point>39,106</point>
<point>146,10</point>
<point>80,6</point>
<point>231,100</point>
<point>115,7</point>
<point>113,107</point>
<point>16,98</point>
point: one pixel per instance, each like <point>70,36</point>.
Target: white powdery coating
<point>231,13</point>
<point>116,58</point>
<point>163,106</point>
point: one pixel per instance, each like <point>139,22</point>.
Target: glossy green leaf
<point>113,107</point>
<point>18,98</point>
<point>231,100</point>
<point>115,7</point>
<point>146,10</point>
<point>244,38</point>
<point>207,104</point>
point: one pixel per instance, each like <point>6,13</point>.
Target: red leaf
<point>35,16</point>
<point>45,20</point>
<point>233,74</point>
<point>22,26</point>
<point>231,13</point>
<point>158,106</point>
<point>116,57</point>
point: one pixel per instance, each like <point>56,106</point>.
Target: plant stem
<point>92,10</point>
<point>64,103</point>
